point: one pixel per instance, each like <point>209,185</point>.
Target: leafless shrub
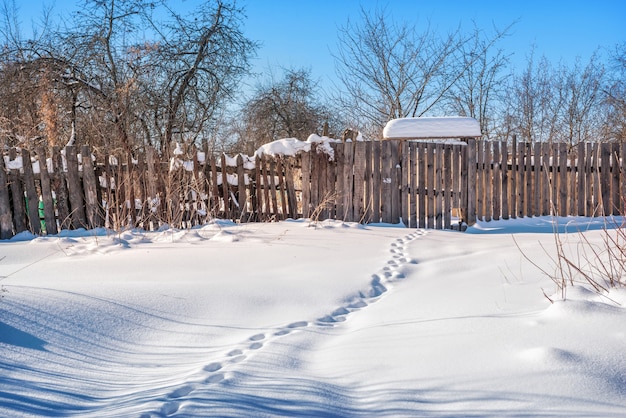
<point>576,260</point>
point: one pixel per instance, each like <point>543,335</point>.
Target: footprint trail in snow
<point>217,370</point>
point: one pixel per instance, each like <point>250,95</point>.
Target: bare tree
<point>479,91</point>
<point>285,108</point>
<point>614,93</point>
<point>535,102</point>
<point>200,60</point>
<point>557,103</point>
<point>125,73</point>
<point>391,70</point>
<point>580,92</point>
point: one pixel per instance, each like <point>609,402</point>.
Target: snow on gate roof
<point>432,128</point>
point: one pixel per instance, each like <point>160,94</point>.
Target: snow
<point>293,146</point>
<point>297,318</point>
<point>432,128</point>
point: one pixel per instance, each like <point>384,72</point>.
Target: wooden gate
<point>434,184</point>
<point>419,184</point>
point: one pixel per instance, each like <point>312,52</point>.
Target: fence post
<point>89,183</point>
<point>75,190</point>
<point>470,185</point>
<point>32,197</point>
<point>17,193</point>
<point>6,224</point>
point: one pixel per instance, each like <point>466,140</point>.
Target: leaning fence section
<point>44,192</point>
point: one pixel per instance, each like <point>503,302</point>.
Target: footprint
<point>170,408</point>
<point>235,352</point>
<point>216,378</point>
<point>358,304</point>
<point>212,367</point>
<point>237,359</point>
<point>255,346</point>
<point>282,332</point>
<point>340,311</point>
<point>298,324</point>
<point>180,392</point>
<point>257,337</point>
<point>331,319</point>
<point>377,287</point>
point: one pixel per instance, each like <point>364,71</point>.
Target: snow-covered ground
<point>287,319</point>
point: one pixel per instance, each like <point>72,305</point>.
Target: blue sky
<point>303,33</point>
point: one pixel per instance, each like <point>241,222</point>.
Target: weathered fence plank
<point>489,179</point>
<point>506,211</point>
<point>438,190</point>
<point>6,222</point>
<point>430,185</point>
<point>413,194</point>
<point>497,181</point>
<point>386,190</point>
<point>615,179</point>
<point>422,190</point>
<point>32,197</point>
<point>17,195</point>
<point>471,181</point>
<point>92,206</point>
<point>46,192</point>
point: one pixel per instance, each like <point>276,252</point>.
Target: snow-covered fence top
<point>432,128</point>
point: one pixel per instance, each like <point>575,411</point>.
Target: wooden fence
<point>426,185</point>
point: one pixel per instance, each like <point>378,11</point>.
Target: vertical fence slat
<point>341,181</point>
<point>430,185</point>
<point>386,191</point>
<point>497,182</point>
<point>404,184</point>
<point>513,178</point>
<point>395,181</point>
<point>348,181</point>
<point>92,205</point>
<point>581,179</point>
<point>456,177</point>
<point>422,193</point>
<point>562,179</point>
<point>504,154</point>
<point>471,181</point>
<point>521,180</point>
<point>571,181</point>
<point>376,181</point>
<point>529,179</point>
<point>438,185</point>
<point>412,162</point>
<point>447,186</point>
<point>46,193</point>
<point>75,188</point>
<point>32,198</point>
<point>615,179</point>
<point>242,194</point>
<point>272,182</point>
<point>536,173</point>
<point>305,163</point>
<point>488,181</point>
<point>605,176</point>
<point>546,191</point>
<point>368,199</point>
<point>6,222</point>
<point>17,195</point>
<point>359,179</point>
<point>480,180</point>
